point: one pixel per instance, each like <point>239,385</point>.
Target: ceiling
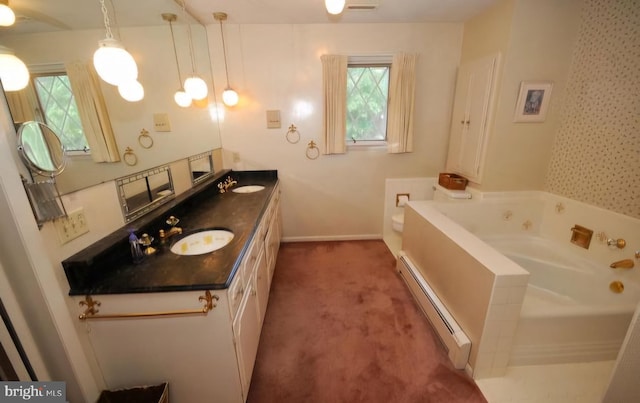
<point>54,15</point>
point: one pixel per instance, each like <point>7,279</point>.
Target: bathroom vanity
<point>193,321</point>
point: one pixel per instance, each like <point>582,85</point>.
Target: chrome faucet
<point>172,221</point>
<point>622,264</point>
<point>224,186</point>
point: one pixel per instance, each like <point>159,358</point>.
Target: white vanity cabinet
<point>472,111</point>
<point>194,353</point>
<point>202,357</point>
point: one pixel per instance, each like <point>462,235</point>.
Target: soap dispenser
<point>136,250</point>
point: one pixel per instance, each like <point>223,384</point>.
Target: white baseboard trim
<point>321,238</point>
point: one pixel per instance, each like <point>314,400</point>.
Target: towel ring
<point>293,130</point>
<point>313,151</point>
<point>144,139</point>
<point>129,157</point>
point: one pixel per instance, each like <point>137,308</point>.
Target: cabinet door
<point>246,329</point>
<point>262,286</point>
<point>471,117</point>
<point>194,353</point>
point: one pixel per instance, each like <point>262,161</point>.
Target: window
<point>60,111</point>
<point>367,100</point>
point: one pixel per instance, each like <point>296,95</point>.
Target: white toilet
<point>397,221</point>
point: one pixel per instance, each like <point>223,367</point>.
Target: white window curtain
<point>23,105</point>
<point>93,112</point>
<point>401,103</point>
<point>334,80</point>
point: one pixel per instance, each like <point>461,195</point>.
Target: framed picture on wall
<point>533,101</point>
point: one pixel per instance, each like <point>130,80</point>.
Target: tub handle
<point>622,264</point>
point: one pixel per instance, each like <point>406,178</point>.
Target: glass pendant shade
<point>230,97</point>
<point>7,17</point>
<point>196,87</point>
<point>13,72</point>
<point>131,91</point>
<point>334,6</point>
<point>182,98</point>
<point>113,63</point>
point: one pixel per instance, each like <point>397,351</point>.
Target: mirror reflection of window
<point>60,110</point>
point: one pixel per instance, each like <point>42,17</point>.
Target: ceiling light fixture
<point>13,72</point>
<point>195,86</point>
<point>229,96</point>
<point>181,97</point>
<point>334,6</point>
<point>112,61</point>
<point>7,16</point>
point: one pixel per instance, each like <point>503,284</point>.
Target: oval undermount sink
<point>202,242</point>
<point>248,189</point>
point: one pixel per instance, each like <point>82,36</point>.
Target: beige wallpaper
<point>596,155</point>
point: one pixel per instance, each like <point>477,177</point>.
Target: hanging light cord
<point>224,53</point>
<point>105,14</point>
<point>191,53</point>
<point>175,54</point>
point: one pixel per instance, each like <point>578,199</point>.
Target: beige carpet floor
<point>341,326</point>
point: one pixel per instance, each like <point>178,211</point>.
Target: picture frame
<point>533,101</point>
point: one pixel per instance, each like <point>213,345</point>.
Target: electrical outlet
<point>71,226</point>
<point>236,157</point>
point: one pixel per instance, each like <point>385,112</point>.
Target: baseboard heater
<point>456,342</point>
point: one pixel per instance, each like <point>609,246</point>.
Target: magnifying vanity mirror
<point>201,167</point>
<point>41,149</point>
<point>42,152</point>
<point>144,191</point>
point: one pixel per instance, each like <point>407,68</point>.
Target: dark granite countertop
<point>106,267</point>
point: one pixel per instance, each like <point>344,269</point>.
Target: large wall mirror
<point>44,44</point>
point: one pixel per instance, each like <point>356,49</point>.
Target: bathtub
<point>562,310</point>
<point>568,314</point>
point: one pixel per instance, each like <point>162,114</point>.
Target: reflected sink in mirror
<point>202,242</point>
<point>248,189</point>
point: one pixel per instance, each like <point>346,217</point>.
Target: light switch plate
<point>161,122</point>
<point>273,119</point>
<point>71,226</point>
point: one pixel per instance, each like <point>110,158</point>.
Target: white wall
<point>535,38</point>
<point>278,67</point>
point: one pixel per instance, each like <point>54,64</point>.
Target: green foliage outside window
<point>367,95</point>
<point>60,110</point>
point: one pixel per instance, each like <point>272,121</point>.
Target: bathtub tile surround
<point>595,155</point>
<point>520,324</point>
<point>464,274</point>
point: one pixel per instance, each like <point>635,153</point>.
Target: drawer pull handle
<point>91,312</point>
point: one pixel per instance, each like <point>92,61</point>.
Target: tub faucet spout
<point>622,264</point>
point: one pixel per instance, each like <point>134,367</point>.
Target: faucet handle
<point>172,221</point>
<point>618,243</point>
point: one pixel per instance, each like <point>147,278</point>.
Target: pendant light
<point>194,86</point>
<point>131,91</point>
<point>334,6</point>
<point>112,61</point>
<point>7,16</point>
<point>181,97</point>
<point>229,96</point>
<point>13,72</point>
